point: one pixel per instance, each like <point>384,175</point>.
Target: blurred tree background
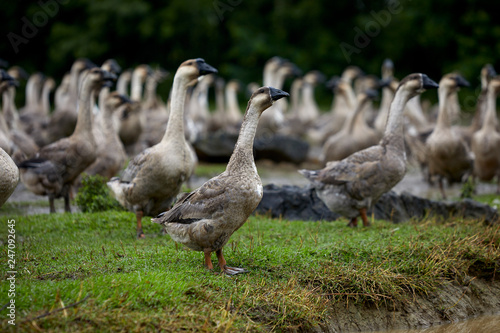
<point>239,36</point>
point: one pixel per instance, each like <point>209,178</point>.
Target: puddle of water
<point>488,324</point>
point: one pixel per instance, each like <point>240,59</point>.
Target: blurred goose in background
<point>352,137</point>
<point>205,219</point>
<point>123,82</point>
<point>307,111</point>
<point>487,73</point>
<point>198,111</point>
<point>153,178</point>
<point>352,185</point>
<point>448,156</point>
<point>132,120</point>
<point>56,166</point>
<point>5,142</point>
<point>32,93</point>
<point>9,175</point>
<point>63,121</point>
<point>485,142</point>
<point>387,96</point>
<point>230,118</point>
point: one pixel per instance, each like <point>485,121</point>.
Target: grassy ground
<point>297,270</point>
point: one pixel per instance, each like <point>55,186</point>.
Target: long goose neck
<point>150,91</point>
<point>308,97</point>
<point>444,119</point>
<point>45,100</point>
<point>136,87</point>
<point>31,98</point>
<point>73,84</point>
<point>232,102</point>
<point>9,108</point>
<point>393,133</point>
<point>122,83</point>
<point>175,125</point>
<point>85,115</point>
<point>243,150</point>
<point>490,118</point>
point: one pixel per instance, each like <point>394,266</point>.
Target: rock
<point>302,203</point>
<point>281,148</point>
<point>9,176</point>
<point>217,147</point>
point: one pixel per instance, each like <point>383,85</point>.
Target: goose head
<point>111,66</point>
<point>115,100</point>
<point>417,83</point>
<point>350,73</point>
<point>387,69</point>
<point>50,83</point>
<point>487,72</point>
<point>18,73</point>
<point>314,77</point>
<point>264,97</point>
<point>494,84</point>
<point>6,81</point>
<point>82,63</point>
<point>97,78</point>
<point>192,69</point>
<point>452,82</point>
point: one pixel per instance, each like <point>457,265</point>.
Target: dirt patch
<point>450,303</point>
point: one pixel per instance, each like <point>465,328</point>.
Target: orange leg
<point>353,223</point>
<point>362,211</point>
<point>228,270</point>
<point>208,260</point>
<point>138,215</point>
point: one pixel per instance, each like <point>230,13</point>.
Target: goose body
<point>205,219</point>
<point>448,155</point>
<point>352,185</point>
<point>154,177</point>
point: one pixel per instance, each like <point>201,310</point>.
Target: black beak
<point>205,68</point>
<point>491,71</point>
<point>428,83</point>
<point>124,99</point>
<point>89,64</point>
<point>461,81</point>
<point>333,82</point>
<point>108,78</point>
<point>277,94</point>
<point>371,93</point>
<point>384,82</point>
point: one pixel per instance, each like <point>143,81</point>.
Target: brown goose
<point>153,178</point>
<point>486,142</point>
<point>205,219</point>
<point>352,185</point>
<point>448,156</point>
<point>56,166</point>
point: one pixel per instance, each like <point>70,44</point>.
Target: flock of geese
<point>362,147</point>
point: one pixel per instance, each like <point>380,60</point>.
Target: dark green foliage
<point>94,196</point>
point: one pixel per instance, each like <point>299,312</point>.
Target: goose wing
<point>202,203</point>
<point>135,166</point>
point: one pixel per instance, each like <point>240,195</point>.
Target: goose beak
<point>371,93</point>
<point>491,71</point>
<point>108,78</point>
<point>333,82</point>
<point>461,81</point>
<point>277,93</point>
<point>384,82</point>
<point>388,64</point>
<point>205,68</point>
<point>428,83</point>
<point>125,100</point>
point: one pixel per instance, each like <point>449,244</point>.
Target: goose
<point>198,112</point>
<point>352,185</point>
<point>132,121</point>
<point>485,143</point>
<point>33,88</point>
<point>387,96</point>
<point>487,73</point>
<point>205,219</point>
<point>123,82</point>
<point>350,138</point>
<point>63,121</point>
<point>25,146</point>
<point>55,167</point>
<point>230,118</point>
<point>153,178</point>
<point>111,155</point>
<point>448,156</point>
<point>9,175</point>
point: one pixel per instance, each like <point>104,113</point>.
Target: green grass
<point>297,270</point>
